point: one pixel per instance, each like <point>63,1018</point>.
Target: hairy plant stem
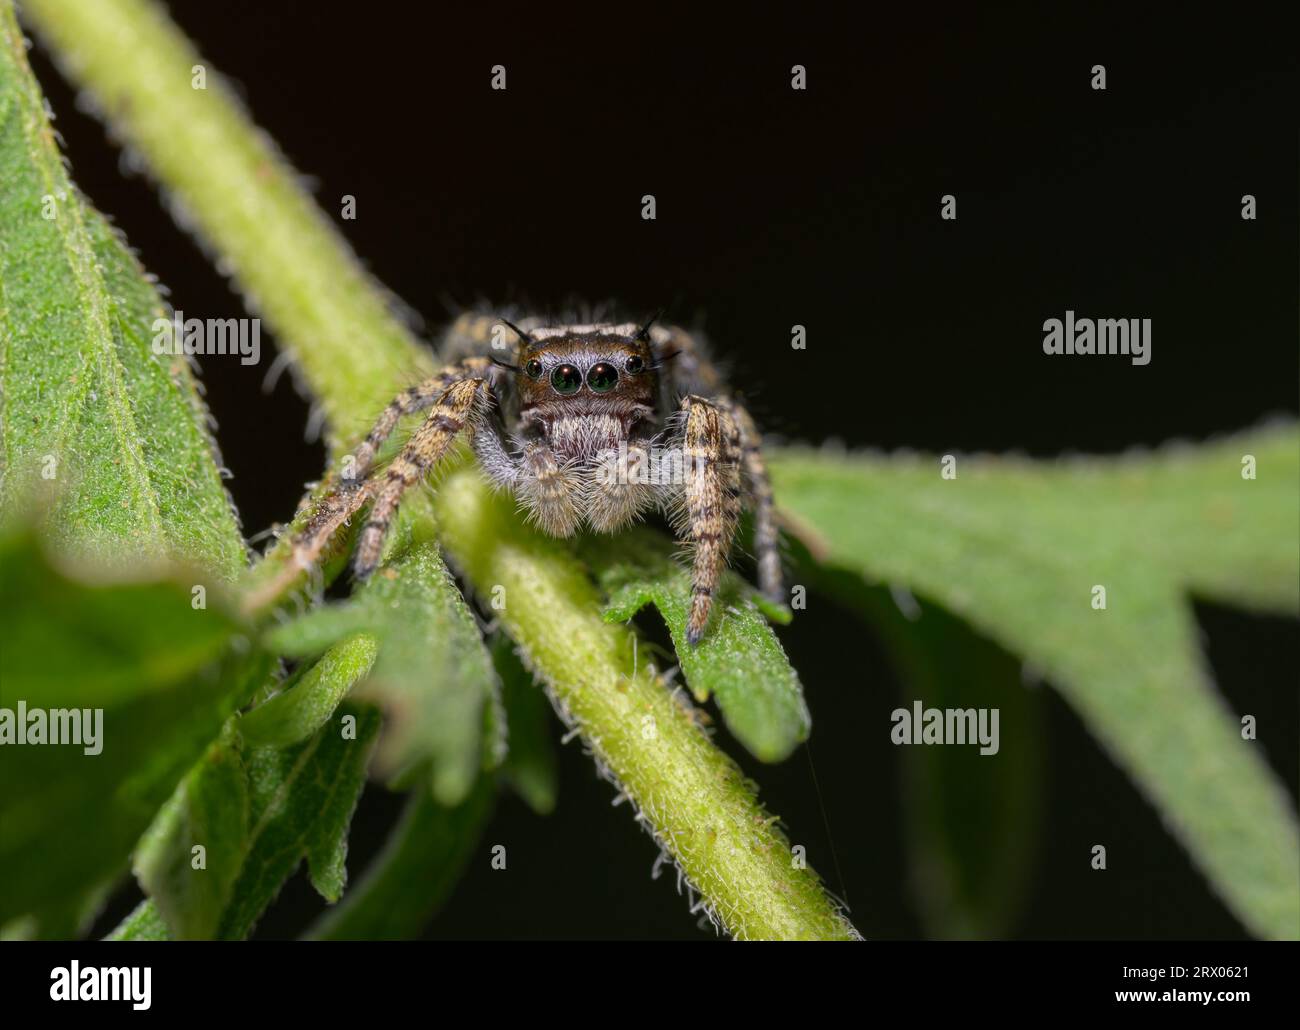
<point>247,204</point>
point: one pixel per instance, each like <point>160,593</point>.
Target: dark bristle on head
<point>517,331</point>
<point>644,332</point>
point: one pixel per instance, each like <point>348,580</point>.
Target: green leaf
<point>530,765</point>
<point>62,921</point>
<point>257,811</point>
<point>297,712</point>
<point>91,420</point>
<point>301,804</point>
<point>432,675</point>
<point>143,924</point>
<point>1016,547</point>
<point>162,675</point>
<point>77,643</point>
<point>407,882</point>
<point>210,812</point>
<point>739,661</point>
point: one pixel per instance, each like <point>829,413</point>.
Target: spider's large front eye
<point>533,369</point>
<point>602,377</point>
<point>566,379</point>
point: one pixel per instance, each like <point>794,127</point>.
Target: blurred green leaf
<point>414,873</point>
<point>70,643</point>
<point>530,765</point>
<point>739,661</point>
<point>143,924</point>
<point>164,675</point>
<point>91,420</point>
<point>432,675</point>
<point>1015,547</point>
<point>972,820</point>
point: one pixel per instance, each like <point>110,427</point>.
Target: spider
<point>593,423</point>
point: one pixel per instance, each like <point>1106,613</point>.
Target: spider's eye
<point>566,379</point>
<point>634,364</point>
<point>602,377</point>
<point>533,369</point>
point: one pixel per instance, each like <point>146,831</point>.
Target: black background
<point>821,208</point>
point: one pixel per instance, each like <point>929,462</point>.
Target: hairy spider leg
<point>411,400</point>
<point>462,402</point>
<point>691,372</point>
<point>711,452</point>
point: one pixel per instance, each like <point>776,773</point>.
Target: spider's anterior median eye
<point>533,369</point>
<point>634,364</point>
<point>566,379</point>
<point>602,377</point>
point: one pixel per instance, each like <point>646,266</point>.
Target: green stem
<point>694,797</point>
<point>333,320</point>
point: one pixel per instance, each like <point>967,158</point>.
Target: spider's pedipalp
<point>622,486</point>
<point>548,491</point>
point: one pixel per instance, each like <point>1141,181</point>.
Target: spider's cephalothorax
<point>587,424</point>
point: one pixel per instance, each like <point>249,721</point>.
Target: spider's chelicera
<point>591,424</point>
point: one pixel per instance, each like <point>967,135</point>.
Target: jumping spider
<point>594,423</point>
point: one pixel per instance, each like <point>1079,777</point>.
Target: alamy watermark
<point>649,466</point>
<point>74,982</point>
<point>181,335</point>
<point>82,727</point>
<point>921,725</point>
<point>1130,336</point>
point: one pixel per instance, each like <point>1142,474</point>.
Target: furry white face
<point>586,389</point>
